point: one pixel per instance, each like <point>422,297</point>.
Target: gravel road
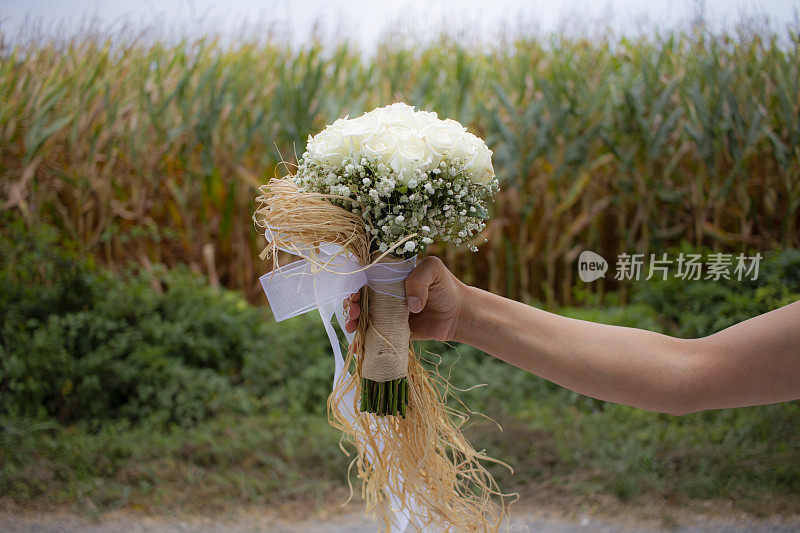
<point>355,523</point>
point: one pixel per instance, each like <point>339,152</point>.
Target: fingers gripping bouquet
<point>369,194</point>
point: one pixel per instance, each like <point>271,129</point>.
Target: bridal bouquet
<point>368,195</point>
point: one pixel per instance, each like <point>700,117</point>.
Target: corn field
<point>151,153</point>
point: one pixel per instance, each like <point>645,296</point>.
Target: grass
<point>255,391</point>
<point>215,465</point>
<point>638,457</point>
<point>558,447</point>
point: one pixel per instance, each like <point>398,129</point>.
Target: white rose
<point>423,119</point>
<point>338,125</point>
<point>329,147</point>
<point>454,125</point>
<point>462,147</point>
<point>380,146</point>
<point>479,167</point>
<point>411,153</point>
<point>439,139</point>
<point>401,132</point>
<point>399,113</point>
<point>356,130</point>
<point>375,113</point>
<point>373,121</point>
<point>376,116</point>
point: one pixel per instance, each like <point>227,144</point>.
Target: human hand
<point>434,297</point>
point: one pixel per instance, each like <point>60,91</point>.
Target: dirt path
<point>248,521</point>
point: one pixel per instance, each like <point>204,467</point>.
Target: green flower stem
<point>395,392</point>
<point>384,398</point>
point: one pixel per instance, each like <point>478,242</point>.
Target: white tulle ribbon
<point>325,276</point>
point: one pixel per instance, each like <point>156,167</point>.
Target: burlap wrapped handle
<point>387,337</point>
<point>384,368</point>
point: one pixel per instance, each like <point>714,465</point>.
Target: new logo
<point>591,266</point>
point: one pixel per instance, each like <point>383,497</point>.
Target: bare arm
<point>751,363</point>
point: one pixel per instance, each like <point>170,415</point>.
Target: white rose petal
<point>423,119</point>
<point>399,113</point>
<point>479,166</point>
<point>454,125</point>
<point>459,150</point>
<point>401,132</point>
<point>356,131</point>
<point>411,153</point>
<point>329,147</point>
<point>380,146</point>
<point>438,139</point>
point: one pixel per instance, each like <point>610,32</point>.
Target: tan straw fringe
<point>424,457</point>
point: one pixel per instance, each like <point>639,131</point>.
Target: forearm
<point>754,362</point>
<point>623,365</point>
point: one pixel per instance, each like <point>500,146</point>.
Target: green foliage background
<point>155,390</point>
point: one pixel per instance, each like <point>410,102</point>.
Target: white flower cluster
<point>404,139</point>
<point>405,173</point>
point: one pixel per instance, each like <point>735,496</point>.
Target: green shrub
<point>79,344</point>
<point>114,392</point>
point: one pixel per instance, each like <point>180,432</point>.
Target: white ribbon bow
<point>323,284</point>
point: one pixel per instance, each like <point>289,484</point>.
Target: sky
<point>365,22</point>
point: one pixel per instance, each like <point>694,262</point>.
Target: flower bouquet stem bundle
<point>384,366</point>
<point>368,195</point>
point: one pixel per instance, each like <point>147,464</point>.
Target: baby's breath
<point>412,177</point>
<point>441,204</point>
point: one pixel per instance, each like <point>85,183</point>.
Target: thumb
<point>418,282</point>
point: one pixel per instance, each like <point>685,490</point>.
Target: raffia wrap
<point>418,470</point>
<point>387,336</point>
